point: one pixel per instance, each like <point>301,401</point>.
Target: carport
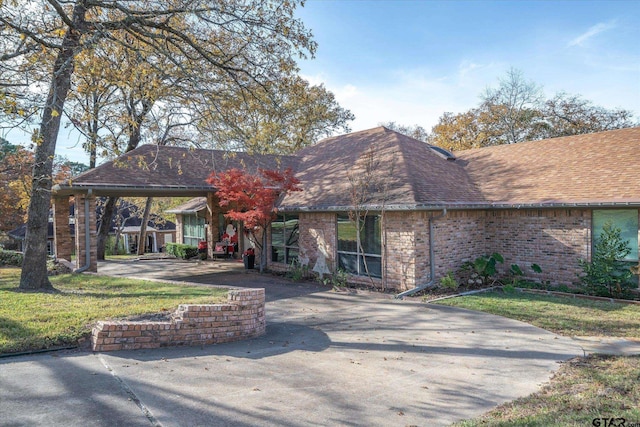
<point>148,171</point>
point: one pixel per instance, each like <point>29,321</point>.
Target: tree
<point>512,111</point>
<point>241,42</point>
<point>608,274</point>
<point>572,115</point>
<point>517,111</point>
<point>415,131</point>
<point>289,115</point>
<point>252,199</point>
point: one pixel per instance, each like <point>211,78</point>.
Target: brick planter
<point>241,318</point>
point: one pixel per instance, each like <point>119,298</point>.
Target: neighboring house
<point>423,211</point>
<point>159,232</point>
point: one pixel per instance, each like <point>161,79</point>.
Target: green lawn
<point>584,388</point>
<point>30,320</point>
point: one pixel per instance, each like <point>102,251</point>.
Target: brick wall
<point>80,242</point>
<point>63,243</point>
<point>459,237</point>
<point>555,239</point>
<point>318,236</point>
<point>241,318</point>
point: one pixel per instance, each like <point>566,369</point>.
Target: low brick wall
<point>192,324</point>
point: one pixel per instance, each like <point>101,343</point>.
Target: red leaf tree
<point>252,199</point>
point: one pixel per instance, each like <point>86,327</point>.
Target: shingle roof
<point>595,168</point>
<point>191,206</point>
<point>161,170</point>
<point>599,168</point>
<point>411,172</point>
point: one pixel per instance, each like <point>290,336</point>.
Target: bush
<point>483,269</point>
<point>182,251</point>
<point>11,258</point>
<point>607,274</point>
<point>449,282</point>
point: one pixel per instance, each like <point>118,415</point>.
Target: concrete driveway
<point>327,359</point>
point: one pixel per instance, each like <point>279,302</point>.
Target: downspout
<point>87,236</point>
<point>432,264</point>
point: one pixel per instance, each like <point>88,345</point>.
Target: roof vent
<point>446,154</point>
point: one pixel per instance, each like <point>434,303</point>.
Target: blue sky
<point>409,61</point>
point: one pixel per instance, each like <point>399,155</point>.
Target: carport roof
<point>152,170</point>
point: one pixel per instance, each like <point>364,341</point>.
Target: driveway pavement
<point>327,359</point>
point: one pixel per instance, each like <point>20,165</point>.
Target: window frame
<point>364,254</point>
<point>199,226</point>
<point>290,248</point>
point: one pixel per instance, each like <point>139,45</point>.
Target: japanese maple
<point>252,199</point>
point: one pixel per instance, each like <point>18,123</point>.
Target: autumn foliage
<point>252,198</point>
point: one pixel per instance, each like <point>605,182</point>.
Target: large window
<point>360,252</point>
<point>284,239</point>
<point>624,219</point>
<point>192,230</point>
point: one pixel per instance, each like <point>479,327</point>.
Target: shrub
<point>298,271</point>
<point>482,269</point>
<point>607,274</point>
<point>516,274</point>
<point>337,280</point>
<point>182,251</point>
<point>449,282</point>
<point>11,258</point>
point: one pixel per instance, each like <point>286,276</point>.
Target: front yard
<point>33,321</point>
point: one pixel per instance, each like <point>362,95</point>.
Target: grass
<point>31,321</point>
<point>584,388</point>
<point>562,315</point>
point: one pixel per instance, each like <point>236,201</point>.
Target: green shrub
<point>449,282</point>
<point>337,280</point>
<point>182,251</point>
<point>607,274</point>
<point>11,258</point>
<point>483,269</point>
<point>297,271</point>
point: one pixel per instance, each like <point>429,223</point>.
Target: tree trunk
<point>135,136</point>
<point>143,226</point>
<point>263,252</point>
<point>105,224</point>
<point>34,267</point>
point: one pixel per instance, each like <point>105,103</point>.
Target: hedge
<point>182,251</point>
<point>11,258</point>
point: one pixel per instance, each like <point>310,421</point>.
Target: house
<point>126,223</point>
<point>421,210</point>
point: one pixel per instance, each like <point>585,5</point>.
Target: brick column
<point>62,241</point>
<point>81,219</point>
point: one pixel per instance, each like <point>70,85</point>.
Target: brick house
<point>422,211</point>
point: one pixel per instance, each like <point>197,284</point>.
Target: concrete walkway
<point>327,359</point>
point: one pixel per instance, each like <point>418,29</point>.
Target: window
<point>284,238</point>
<point>192,230</point>
<point>624,219</point>
<point>357,259</point>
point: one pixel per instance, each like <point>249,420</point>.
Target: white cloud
<point>592,32</point>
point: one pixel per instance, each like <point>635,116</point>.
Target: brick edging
<point>242,317</point>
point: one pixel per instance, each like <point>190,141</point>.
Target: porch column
<point>62,241</point>
<point>84,221</point>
